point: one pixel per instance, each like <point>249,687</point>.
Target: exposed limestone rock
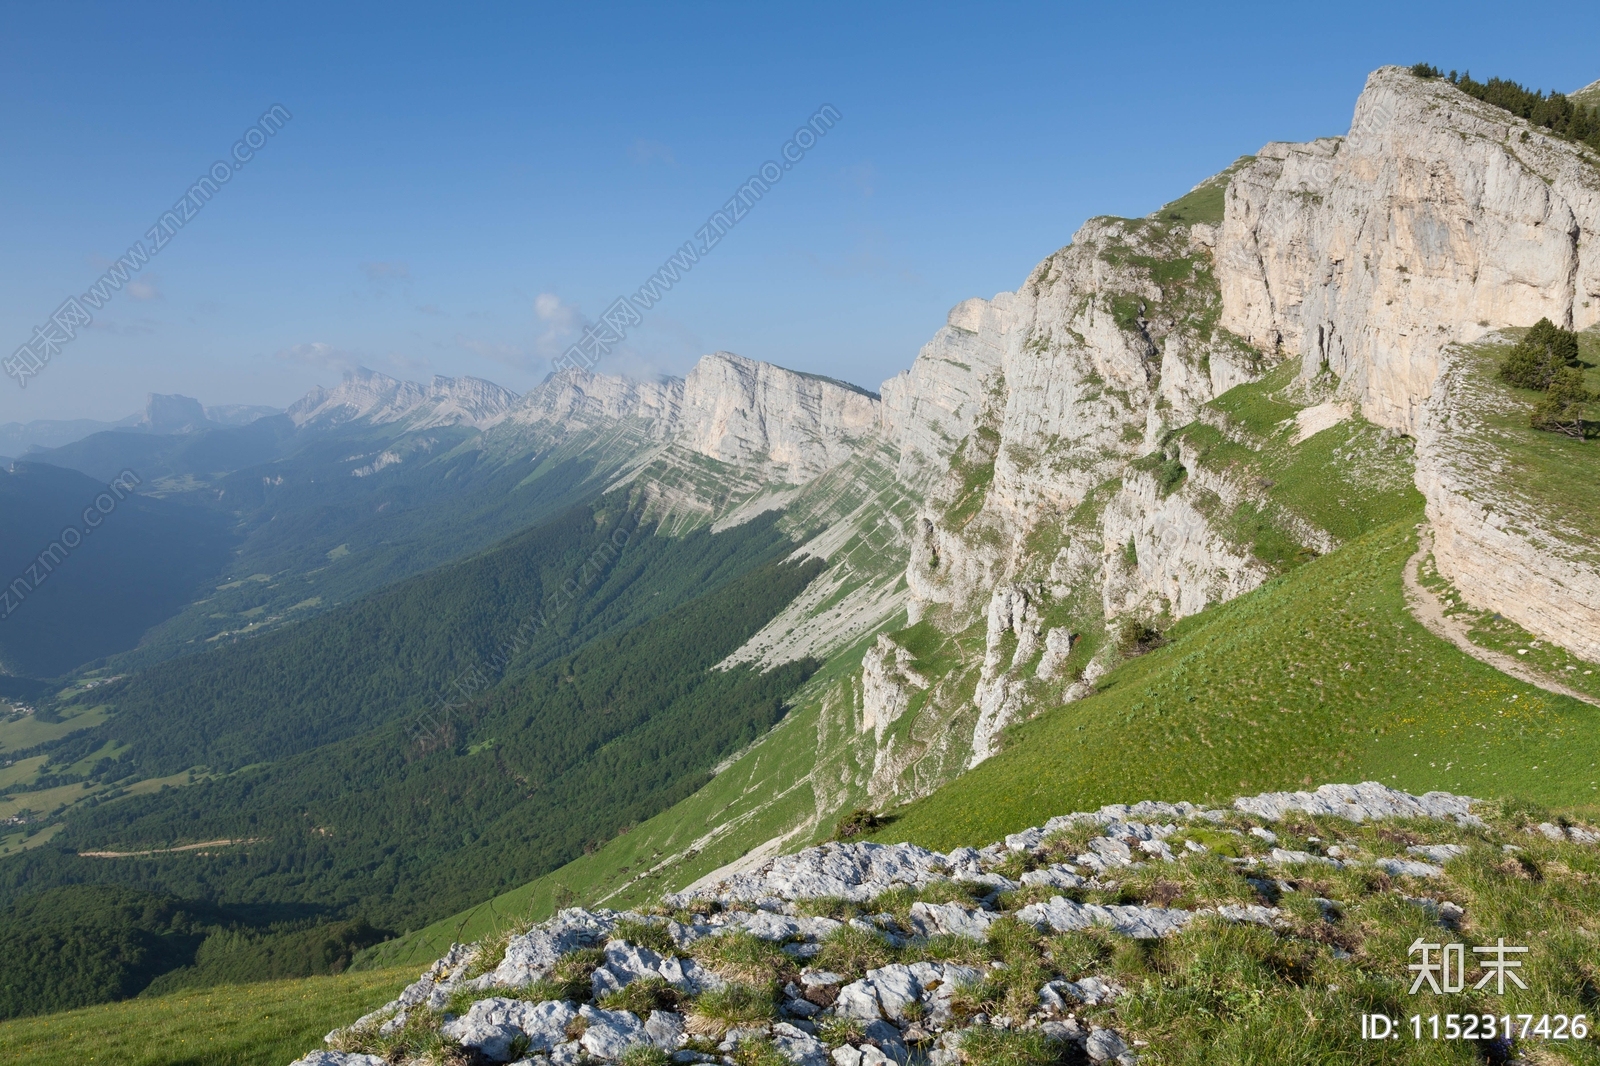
<point>365,395</point>
<point>1368,801</point>
<point>1057,389</point>
<point>741,411</point>
<point>1141,923</point>
<point>1179,563</point>
<point>1057,646</point>
<point>916,1001</point>
<point>999,697</point>
<point>931,408</point>
<point>1438,218</point>
<point>1503,552</point>
<point>793,427</point>
<point>1313,420</point>
<point>574,400</point>
<point>887,684</point>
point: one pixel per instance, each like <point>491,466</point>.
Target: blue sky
<point>459,183</point>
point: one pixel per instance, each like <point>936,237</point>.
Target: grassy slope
<point>1526,471</point>
<point>1320,675</point>
<point>1204,202</point>
<point>265,1024</point>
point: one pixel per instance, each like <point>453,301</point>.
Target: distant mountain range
<point>161,414</point>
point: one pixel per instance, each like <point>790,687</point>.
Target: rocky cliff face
<point>1436,221</point>
<point>1056,389</point>
<point>1055,512</point>
<point>1022,493</point>
<point>1023,486</point>
<point>1503,548</point>
<point>798,425</point>
<point>173,414</point>
<point>792,427</point>
<point>1041,527</point>
<point>365,395</point>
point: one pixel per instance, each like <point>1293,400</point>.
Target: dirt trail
<point>1426,608</point>
<point>164,851</point>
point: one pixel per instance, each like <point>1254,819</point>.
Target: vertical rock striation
<point>1436,221</point>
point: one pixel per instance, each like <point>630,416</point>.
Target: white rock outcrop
<point>1538,566</point>
<point>888,681</point>
<point>891,1008</point>
<point>1438,218</point>
<point>367,396</point>
<point>798,425</point>
<point>788,426</point>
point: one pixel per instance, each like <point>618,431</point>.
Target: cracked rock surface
<point>922,1007</point>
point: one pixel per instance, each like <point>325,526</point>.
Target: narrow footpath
<point>1426,608</point>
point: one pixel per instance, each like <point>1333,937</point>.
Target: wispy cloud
<point>147,287</point>
<point>644,152</point>
<point>561,321</point>
<point>556,312</point>
<point>383,273</point>
<point>319,354</point>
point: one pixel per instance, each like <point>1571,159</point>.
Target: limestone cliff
<point>790,426</point>
<point>367,396</point>
<point>1438,220</point>
<point>1033,487</point>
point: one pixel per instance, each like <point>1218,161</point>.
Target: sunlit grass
<point>266,1024</point>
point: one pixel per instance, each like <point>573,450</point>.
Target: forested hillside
<point>578,658</point>
<point>390,657</point>
<point>309,534</point>
<point>315,516</point>
<point>72,946</point>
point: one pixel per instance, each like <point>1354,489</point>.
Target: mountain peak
<point>366,395</point>
<point>173,414</point>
